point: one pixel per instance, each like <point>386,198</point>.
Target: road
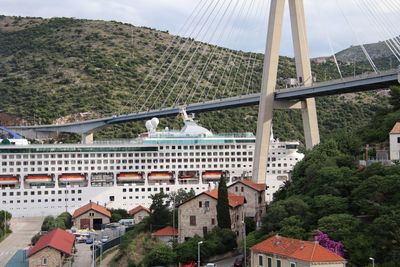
<point>83,257</point>
<point>22,231</point>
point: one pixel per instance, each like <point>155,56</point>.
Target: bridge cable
<point>241,9</point>
<point>388,41</point>
<point>189,61</point>
<point>386,26</point>
<point>188,22</point>
<point>371,62</point>
<point>180,50</point>
<point>194,68</point>
<point>205,67</point>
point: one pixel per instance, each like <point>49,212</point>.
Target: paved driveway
<point>23,230</point>
<point>83,256</point>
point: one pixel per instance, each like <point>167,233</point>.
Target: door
<point>84,223</point>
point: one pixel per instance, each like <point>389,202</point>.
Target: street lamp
<point>373,261</point>
<point>244,242</point>
<point>198,253</point>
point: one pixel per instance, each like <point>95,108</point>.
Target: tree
<point>181,196</point>
<point>223,216</point>
<point>67,219</point>
<point>293,227</point>
<point>161,255</point>
<point>118,214</point>
<point>160,214</point>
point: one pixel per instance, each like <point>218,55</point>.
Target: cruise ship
<point>47,179</point>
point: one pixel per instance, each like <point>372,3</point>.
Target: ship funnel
<point>149,126</point>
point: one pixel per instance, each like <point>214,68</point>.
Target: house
<point>167,234</point>
<point>52,249</point>
<point>254,194</point>
<point>394,140</point>
<point>198,215</point>
<point>278,251</point>
<point>91,216</point>
<point>139,213</point>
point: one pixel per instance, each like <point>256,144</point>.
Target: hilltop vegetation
<point>53,69</point>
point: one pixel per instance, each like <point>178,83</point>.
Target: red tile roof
<point>137,209</point>
<point>251,184</point>
<point>91,206</point>
<point>58,239</point>
<point>234,200</point>
<point>396,128</point>
<point>166,231</point>
<point>309,251</point>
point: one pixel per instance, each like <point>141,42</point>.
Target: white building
<point>394,139</point>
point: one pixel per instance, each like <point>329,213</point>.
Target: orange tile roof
<point>137,209</point>
<point>91,206</point>
<point>251,184</point>
<point>309,251</point>
<point>58,239</point>
<point>166,231</point>
<point>234,200</point>
<point>396,128</point>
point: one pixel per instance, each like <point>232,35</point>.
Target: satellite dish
<point>155,122</point>
<point>149,126</point>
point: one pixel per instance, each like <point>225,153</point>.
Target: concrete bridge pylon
<point>270,72</point>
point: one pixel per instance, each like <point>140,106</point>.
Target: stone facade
<point>139,216</point>
<point>91,215</point>
<point>394,139</point>
<point>195,218</point>
<point>270,260</point>
<point>49,257</point>
<point>255,206</point>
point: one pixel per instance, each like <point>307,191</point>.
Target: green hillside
<point>54,69</point>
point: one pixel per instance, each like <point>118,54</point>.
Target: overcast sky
<point>344,22</point>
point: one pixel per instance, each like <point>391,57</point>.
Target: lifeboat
<point>212,175</point>
<point>129,177</point>
<point>71,178</point>
<point>186,175</point>
<point>42,179</point>
<point>8,180</point>
<point>160,176</point>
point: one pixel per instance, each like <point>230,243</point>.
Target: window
<point>192,220</point>
<point>278,263</point>
<point>44,261</point>
<point>212,221</point>
<point>207,204</point>
<point>398,140</point>
<point>269,263</point>
<point>292,264</point>
<point>260,260</point>
<point>200,204</point>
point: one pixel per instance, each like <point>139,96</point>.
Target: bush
<point>160,255</point>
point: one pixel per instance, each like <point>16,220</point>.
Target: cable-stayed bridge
<point>348,85</point>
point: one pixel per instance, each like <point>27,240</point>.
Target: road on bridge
<point>22,231</point>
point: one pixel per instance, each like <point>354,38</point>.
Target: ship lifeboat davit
<point>212,175</point>
<point>71,178</point>
<point>8,180</point>
<point>42,179</point>
<point>129,177</point>
<point>160,176</point>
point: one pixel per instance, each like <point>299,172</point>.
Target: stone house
<point>139,213</point>
<point>166,235</point>
<point>394,140</point>
<point>254,194</point>
<point>91,216</point>
<point>198,215</point>
<point>52,249</point>
<point>278,251</point>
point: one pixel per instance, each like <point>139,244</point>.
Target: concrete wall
<point>54,258</point>
<point>251,208</point>
<point>204,217</point>
<point>138,217</point>
<point>394,147</point>
<point>285,262</point>
<point>97,215</point>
